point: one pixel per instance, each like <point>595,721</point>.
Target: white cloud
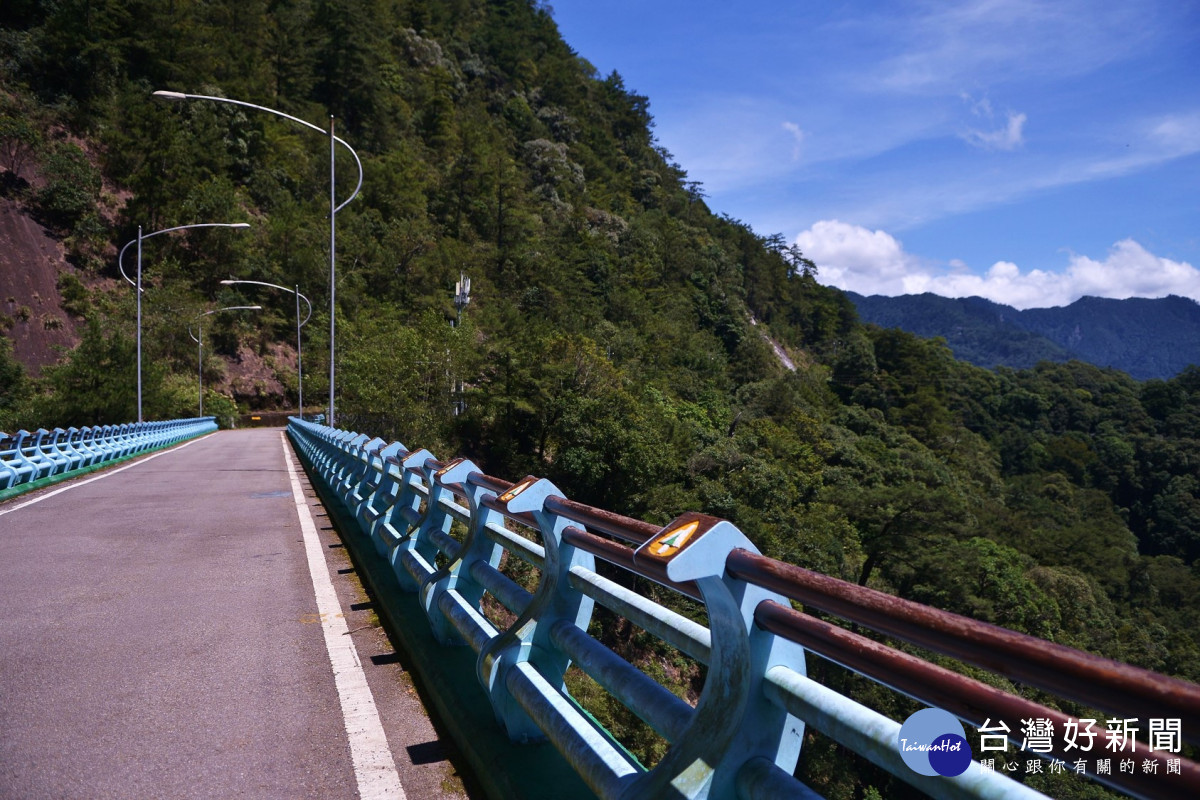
<point>798,135</point>
<point>1177,134</point>
<point>855,258</point>
<point>1009,137</point>
<point>1132,271</point>
<point>940,47</point>
<point>874,262</point>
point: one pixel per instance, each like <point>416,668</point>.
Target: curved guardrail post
<point>9,453</point>
<point>520,663</point>
<point>112,438</point>
<point>376,486</point>
<point>399,524</point>
<point>81,444</point>
<point>93,442</point>
<point>72,444</point>
<point>734,721</point>
<point>361,482</point>
<point>343,458</point>
<point>32,451</point>
<point>398,504</point>
<point>327,442</point>
<point>415,556</point>
<point>102,442</point>
<point>359,467</point>
<point>122,441</point>
<point>55,451</point>
<point>452,589</point>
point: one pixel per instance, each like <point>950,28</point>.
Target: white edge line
<point>374,766</point>
<point>105,474</point>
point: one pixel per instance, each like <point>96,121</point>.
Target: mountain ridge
<point>1143,337</point>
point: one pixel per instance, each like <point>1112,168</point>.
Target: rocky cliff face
<point>32,316</point>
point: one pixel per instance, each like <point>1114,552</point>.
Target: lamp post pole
<point>332,259</point>
<point>138,284</point>
<point>199,340</point>
<point>334,207</point>
<point>299,324</point>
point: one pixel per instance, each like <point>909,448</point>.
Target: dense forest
<point>619,336</point>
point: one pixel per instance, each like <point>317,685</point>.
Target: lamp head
<point>165,95</point>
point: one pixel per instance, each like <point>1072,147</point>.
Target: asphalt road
<point>160,638</point>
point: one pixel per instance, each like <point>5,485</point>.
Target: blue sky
<point>1028,151</point>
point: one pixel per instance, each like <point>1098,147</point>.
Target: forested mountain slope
<point>1147,338</point>
<point>608,345</point>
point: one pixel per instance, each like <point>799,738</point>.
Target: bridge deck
<point>160,636</point>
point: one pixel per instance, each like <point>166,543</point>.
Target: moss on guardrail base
<point>504,769</point>
<point>50,480</point>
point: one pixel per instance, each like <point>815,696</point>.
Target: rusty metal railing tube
<point>630,530</point>
<point>966,698</point>
<point>1072,674</point>
<point>622,556</point>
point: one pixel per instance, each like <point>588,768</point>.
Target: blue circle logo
<point>931,742</point>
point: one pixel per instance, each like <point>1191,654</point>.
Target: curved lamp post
<point>334,206</point>
<point>299,325</point>
<point>198,338</point>
<point>138,284</point>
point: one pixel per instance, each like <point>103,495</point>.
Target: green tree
<point>72,186</point>
<point>97,383</point>
<point>14,387</point>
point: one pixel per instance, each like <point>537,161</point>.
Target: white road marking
<point>374,767</point>
<point>105,474</point>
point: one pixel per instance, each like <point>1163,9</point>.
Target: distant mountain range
<point>1145,338</point>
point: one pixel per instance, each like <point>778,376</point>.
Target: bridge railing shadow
<point>510,570</point>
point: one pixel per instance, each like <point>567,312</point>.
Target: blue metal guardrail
<point>27,456</point>
<point>743,737</point>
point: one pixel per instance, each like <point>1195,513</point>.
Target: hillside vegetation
<point>609,344</point>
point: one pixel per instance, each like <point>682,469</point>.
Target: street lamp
<point>138,284</point>
<point>334,207</point>
<point>199,340</point>
<point>299,324</point>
